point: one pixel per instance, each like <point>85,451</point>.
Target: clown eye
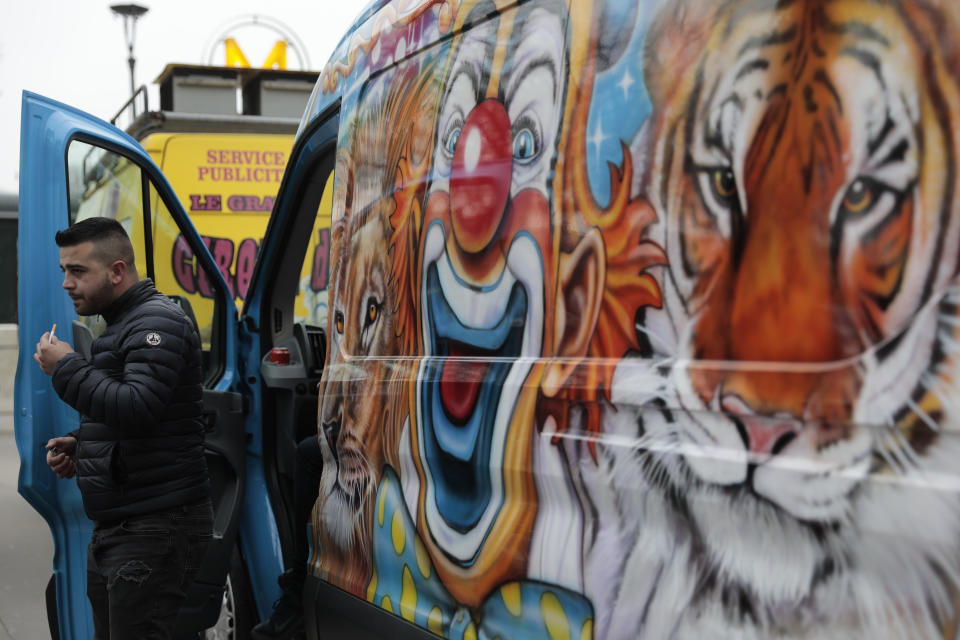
<point>338,317</point>
<point>524,146</point>
<point>373,310</point>
<point>526,139</point>
<point>860,196</point>
<point>453,137</point>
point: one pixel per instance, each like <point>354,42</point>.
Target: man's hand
<point>49,351</point>
<point>62,456</point>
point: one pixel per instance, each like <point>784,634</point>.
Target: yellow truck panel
<point>227,183</point>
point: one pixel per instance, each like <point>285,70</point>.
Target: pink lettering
<point>183,265</point>
<point>203,283</point>
<point>321,253</point>
<point>246,258</point>
<point>250,203</point>
<point>222,249</point>
<point>207,202</point>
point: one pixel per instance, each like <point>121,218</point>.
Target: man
<point>138,453</point>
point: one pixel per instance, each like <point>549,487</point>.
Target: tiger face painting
<point>797,426</point>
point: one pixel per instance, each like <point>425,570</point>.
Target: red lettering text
<point>321,253</point>
<point>206,202</point>
<point>183,265</point>
<point>192,277</point>
<point>246,258</point>
<point>250,203</point>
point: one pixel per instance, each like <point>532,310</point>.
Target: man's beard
<point>97,301</point>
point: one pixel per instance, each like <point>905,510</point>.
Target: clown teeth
<point>474,308</point>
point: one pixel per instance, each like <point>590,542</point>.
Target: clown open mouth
<point>461,395</point>
<point>480,344</point>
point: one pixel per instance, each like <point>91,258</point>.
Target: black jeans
<point>139,569</point>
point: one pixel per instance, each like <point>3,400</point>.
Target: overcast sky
<point>74,50</point>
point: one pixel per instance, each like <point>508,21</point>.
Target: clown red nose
<point>480,176</point>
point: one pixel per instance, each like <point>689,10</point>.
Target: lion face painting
<point>799,427</point>
<point>352,432</point>
<point>362,402</point>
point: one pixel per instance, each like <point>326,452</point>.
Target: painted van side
<point>643,319</point>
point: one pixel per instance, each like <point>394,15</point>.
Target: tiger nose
<point>480,176</point>
<point>762,435</point>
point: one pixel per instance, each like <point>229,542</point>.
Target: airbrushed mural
<point>643,319</point>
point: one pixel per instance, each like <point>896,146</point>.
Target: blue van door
<point>74,166</point>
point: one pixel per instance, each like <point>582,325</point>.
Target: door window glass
<point>178,273</point>
<point>310,306</point>
<point>102,183</point>
<point>107,184</point>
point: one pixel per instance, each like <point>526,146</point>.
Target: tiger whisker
<point>654,337</point>
<point>899,452</point>
<point>886,451</point>
<point>949,339</point>
<point>952,295</point>
<point>944,396</point>
<point>909,453</point>
<point>951,320</point>
<point>920,413</point>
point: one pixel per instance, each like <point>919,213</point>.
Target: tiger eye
<point>724,183</point>
<point>371,312</point>
<point>858,197</point>
<point>339,318</point>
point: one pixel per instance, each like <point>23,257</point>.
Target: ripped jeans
<point>139,569</point>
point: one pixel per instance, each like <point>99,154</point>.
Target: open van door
<point>74,166</point>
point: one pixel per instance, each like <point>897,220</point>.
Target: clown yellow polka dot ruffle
<point>435,621</point>
<point>554,617</point>
<point>372,587</point>
<point>408,596</point>
<point>423,560</point>
<point>383,500</point>
<point>397,533</point>
<point>512,598</point>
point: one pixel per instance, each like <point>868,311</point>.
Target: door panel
<point>224,440</point>
<point>48,130</point>
<point>285,302</point>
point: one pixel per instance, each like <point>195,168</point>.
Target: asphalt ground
<point>26,555</point>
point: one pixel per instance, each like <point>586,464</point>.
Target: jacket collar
<point>130,298</point>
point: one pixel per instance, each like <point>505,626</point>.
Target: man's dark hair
<point>110,241</point>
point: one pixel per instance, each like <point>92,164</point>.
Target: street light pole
<point>130,13</point>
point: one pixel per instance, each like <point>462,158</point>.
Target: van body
<point>641,322</point>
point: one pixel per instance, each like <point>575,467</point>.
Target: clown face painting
<point>484,284</point>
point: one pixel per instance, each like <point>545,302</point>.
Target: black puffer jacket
<point>140,442</point>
